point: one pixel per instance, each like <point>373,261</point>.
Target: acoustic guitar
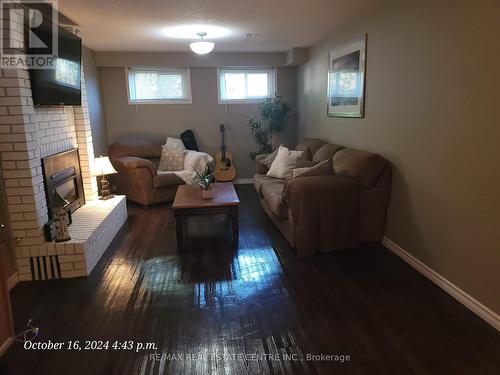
<point>224,161</point>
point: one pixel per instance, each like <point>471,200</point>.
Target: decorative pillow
<point>268,160</point>
<point>321,169</point>
<point>286,160</point>
<point>175,144</point>
<point>171,159</point>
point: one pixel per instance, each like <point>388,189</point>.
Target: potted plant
<point>274,113</point>
<point>205,181</point>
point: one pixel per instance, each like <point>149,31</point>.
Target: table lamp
<point>103,167</point>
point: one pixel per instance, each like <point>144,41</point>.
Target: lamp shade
<point>202,48</point>
<point>102,166</point>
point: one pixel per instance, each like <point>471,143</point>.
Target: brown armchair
<point>137,164</point>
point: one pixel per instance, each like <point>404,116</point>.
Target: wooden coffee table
<point>188,202</point>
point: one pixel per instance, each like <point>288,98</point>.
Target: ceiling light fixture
<point>202,47</point>
<point>191,31</point>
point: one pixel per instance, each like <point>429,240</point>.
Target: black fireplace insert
<point>62,174</point>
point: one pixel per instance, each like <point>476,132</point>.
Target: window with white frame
<point>245,85</point>
<point>158,86</point>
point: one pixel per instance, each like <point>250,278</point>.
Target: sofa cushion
<point>164,179</point>
<point>261,168</point>
<point>268,160</point>
<point>261,179</point>
<point>310,145</point>
<point>272,194</point>
<point>327,151</point>
<point>363,165</point>
<point>323,168</point>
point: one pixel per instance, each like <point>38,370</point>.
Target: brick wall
<point>85,144</point>
<point>27,134</point>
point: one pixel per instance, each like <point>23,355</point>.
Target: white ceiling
<point>128,25</point>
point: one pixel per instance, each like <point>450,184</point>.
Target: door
<point>6,325</point>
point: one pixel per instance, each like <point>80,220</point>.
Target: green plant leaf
<point>274,114</point>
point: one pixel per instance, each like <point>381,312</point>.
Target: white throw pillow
<point>174,144</point>
<point>284,164</point>
<point>171,159</point>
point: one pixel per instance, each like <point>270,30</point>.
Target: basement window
<point>160,86</point>
<point>249,85</point>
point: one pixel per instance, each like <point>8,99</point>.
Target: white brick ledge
<point>94,226</point>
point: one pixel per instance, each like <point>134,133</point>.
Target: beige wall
<point>214,59</point>
<point>433,87</point>
<point>94,99</point>
<point>202,116</point>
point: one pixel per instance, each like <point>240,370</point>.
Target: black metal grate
<point>45,267</point>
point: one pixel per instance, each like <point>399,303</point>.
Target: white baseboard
<point>465,299</point>
<point>12,281</point>
<point>243,181</point>
<point>6,345</point>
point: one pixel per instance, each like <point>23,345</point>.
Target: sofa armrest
<point>261,168</point>
<point>133,162</point>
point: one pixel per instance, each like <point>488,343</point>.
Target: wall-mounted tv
<point>60,86</point>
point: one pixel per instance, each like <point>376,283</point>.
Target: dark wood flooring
<point>215,303</point>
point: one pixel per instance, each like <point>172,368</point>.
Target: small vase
<point>207,194</point>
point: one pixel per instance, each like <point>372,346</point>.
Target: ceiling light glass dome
<point>202,47</point>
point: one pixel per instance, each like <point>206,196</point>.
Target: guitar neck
<point>224,163</point>
<point>222,142</point>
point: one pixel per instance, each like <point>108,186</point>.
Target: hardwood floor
<point>216,303</point>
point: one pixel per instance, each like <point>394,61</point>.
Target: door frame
<point>6,346</point>
<point>5,246</point>
<point>6,307</point>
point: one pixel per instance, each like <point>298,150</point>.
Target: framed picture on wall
<point>346,79</point>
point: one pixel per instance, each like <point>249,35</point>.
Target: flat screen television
<point>60,86</point>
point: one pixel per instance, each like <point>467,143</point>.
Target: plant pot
<point>207,194</point>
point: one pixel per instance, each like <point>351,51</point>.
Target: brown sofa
<point>333,212</point>
<point>136,162</point>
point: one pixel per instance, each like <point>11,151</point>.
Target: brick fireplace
<point>28,134</point>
